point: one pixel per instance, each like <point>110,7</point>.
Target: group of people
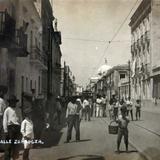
<point>78,108</point>
<point>14,129</point>
<point>115,106</point>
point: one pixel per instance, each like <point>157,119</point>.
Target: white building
<point>145,48</point>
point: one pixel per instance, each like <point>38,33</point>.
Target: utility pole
<point>48,64</point>
<point>110,87</point>
<point>64,80</point>
<point>129,69</point>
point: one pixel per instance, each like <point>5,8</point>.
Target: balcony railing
<point>7,27</point>
<point>147,35</point>
<point>20,43</point>
<point>147,69</point>
<point>58,37</point>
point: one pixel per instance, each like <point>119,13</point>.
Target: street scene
<point>79,79</point>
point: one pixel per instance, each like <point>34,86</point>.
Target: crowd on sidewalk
<point>18,127</point>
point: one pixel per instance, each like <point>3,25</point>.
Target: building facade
<point>145,25</point>
<point>68,85</point>
<point>115,81</point>
<point>30,77</point>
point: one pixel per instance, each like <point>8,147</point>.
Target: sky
<point>87,27</point>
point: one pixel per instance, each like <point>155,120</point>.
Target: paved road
<point>96,144</point>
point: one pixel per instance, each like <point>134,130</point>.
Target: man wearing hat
<point>11,126</point>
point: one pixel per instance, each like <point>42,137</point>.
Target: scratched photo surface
<point>79,79</point>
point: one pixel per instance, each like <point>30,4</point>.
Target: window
<point>122,76</point>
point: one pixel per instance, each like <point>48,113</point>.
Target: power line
<point>93,40</point>
<point>116,33</point>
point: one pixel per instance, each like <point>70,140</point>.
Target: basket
<point>113,129</point>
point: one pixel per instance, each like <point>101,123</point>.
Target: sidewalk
<point>145,134</point>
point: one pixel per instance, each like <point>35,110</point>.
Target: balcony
<point>147,70</point>
<point>147,36</point>
<point>37,59</point>
<point>19,46</point>
<point>57,68</point>
<point>7,28</point>
<point>58,37</point>
<point>132,48</point>
<point>14,40</point>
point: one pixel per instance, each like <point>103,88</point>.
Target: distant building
<point>145,25</point>
<point>68,85</point>
<point>114,81</point>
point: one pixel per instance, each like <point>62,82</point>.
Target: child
<point>122,128</point>
<point>27,133</point>
<point>138,109</point>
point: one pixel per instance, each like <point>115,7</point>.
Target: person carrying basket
<point>122,128</point>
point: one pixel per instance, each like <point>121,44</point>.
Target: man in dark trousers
<point>58,109</point>
<point>71,118</point>
<point>11,126</point>
<point>122,128</point>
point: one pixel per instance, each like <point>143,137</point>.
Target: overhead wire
<point>116,33</point>
<point>94,40</point>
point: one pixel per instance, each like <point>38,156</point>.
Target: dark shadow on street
<point>84,157</point>
<point>83,140</point>
<point>52,136</point>
<point>130,151</point>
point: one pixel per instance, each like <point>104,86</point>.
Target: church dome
<point>103,69</point>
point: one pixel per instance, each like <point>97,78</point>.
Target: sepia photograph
<point>79,79</point>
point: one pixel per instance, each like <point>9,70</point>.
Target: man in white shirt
<point>2,108</point>
<point>71,117</point>
<point>98,106</point>
<point>11,126</point>
<point>129,107</point>
<point>86,106</point>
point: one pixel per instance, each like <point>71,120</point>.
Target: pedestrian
<point>78,118</point>
<point>71,118</point>
<point>113,99</point>
<point>110,110</point>
<point>2,109</point>
<point>122,129</point>
<point>138,109</point>
<point>87,108</point>
<point>27,133</point>
<point>58,109</point>
<point>115,109</point>
<point>103,98</point>
<point>90,100</point>
<point>129,107</point>
<point>11,126</point>
<point>98,106</point>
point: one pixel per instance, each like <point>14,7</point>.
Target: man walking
<point>129,107</point>
<point>71,118</point>
<point>122,128</point>
<point>11,126</point>
<point>87,108</point>
<point>58,109</point>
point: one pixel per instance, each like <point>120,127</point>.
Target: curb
<point>144,155</point>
